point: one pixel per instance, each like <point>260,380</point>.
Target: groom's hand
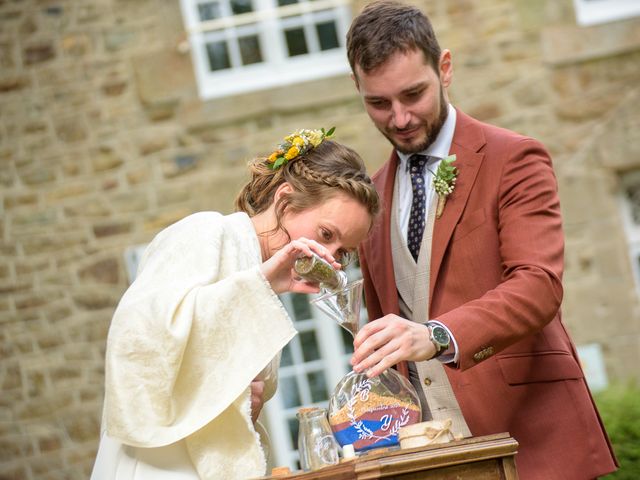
<point>387,341</point>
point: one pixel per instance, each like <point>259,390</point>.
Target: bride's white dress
<point>197,325</point>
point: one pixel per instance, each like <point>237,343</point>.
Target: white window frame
<point>593,12</point>
<point>632,229</point>
<point>267,21</point>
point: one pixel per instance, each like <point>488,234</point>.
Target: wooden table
<point>478,458</point>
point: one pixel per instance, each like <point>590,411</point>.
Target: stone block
<point>114,86</point>
<point>153,143</point>
<point>38,176</point>
<point>105,158</point>
<point>82,428</point>
<point>5,304</point>
<point>12,471</point>
<point>38,53</point>
<point>49,443</point>
<point>57,313</point>
<point>50,339</point>
<point>71,129</point>
<point>65,373</point>
<point>90,207</point>
<point>169,196</point>
<point>179,165</point>
<point>118,38</point>
<point>7,55</point>
<point>76,44</point>
<point>93,299</point>
<point>129,202</point>
<point>45,406</point>
<point>34,244</point>
<point>36,383</point>
<point>11,379</point>
<point>102,271</point>
<point>153,223</point>
<point>163,78</point>
<point>45,464</point>
<point>33,300</point>
<point>13,82</point>
<point>32,219</point>
<point>110,184</point>
<point>138,176</point>
<point>13,447</point>
<point>68,190</point>
<point>112,228</point>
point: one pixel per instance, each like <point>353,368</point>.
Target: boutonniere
<point>444,182</point>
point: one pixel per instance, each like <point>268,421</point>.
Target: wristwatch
<point>440,338</point>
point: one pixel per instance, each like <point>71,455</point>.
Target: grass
<point>619,406</point>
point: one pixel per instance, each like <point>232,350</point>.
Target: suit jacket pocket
<point>548,366</point>
<point>468,224</point>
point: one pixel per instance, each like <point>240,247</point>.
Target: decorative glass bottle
<point>366,412</point>
<point>318,270</point>
<point>316,445</point>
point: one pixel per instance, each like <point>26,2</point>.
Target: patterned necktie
<point>417,164</point>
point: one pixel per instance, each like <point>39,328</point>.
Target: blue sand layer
<point>350,435</point>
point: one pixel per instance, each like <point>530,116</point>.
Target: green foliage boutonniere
<point>444,182</point>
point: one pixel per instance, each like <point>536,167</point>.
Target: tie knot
<point>417,163</point>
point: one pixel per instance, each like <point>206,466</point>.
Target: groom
<point>479,286</point>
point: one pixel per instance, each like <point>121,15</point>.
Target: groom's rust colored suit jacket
<point>496,283</point>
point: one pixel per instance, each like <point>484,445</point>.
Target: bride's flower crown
<point>296,144</point>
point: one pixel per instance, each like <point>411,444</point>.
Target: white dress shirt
<point>438,150</point>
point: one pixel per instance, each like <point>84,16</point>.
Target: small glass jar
<point>318,270</point>
<point>316,445</point>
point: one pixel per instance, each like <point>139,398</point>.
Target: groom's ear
<point>355,81</point>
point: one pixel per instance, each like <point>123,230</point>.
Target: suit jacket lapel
<point>381,261</point>
<point>468,139</point>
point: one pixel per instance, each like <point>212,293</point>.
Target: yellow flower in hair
<point>293,152</point>
<point>274,156</point>
<point>315,137</point>
<point>297,144</point>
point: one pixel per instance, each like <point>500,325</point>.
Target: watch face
<point>440,335</point>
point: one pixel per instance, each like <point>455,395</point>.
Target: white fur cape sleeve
<point>198,324</point>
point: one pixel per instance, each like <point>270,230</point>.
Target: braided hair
<point>318,175</point>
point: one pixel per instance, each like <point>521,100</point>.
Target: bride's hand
<point>278,269</point>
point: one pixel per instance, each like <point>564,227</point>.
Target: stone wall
<point>103,141</point>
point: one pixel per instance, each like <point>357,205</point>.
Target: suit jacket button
<point>427,381</point>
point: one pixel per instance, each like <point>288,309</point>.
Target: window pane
<point>209,11</point>
<point>296,43</point>
<point>328,35</point>
<point>218,56</point>
<point>318,386</point>
<point>286,358</point>
<point>633,196</point>
<point>309,346</point>
<point>290,393</point>
<point>347,340</point>
<point>250,50</point>
<point>301,307</point>
<point>241,6</point>
<point>294,426</point>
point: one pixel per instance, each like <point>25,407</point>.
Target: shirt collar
<point>441,147</point>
